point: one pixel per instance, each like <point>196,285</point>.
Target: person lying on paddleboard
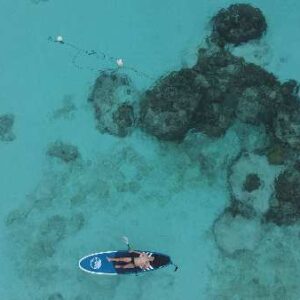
<point>134,260</point>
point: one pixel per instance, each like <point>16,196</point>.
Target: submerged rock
<point>212,155</point>
<point>208,97</point>
<point>258,95</point>
<point>286,207</point>
<point>215,119</point>
<point>237,24</point>
<point>6,124</point>
<point>249,107</point>
<point>219,69</point>
<point>167,110</point>
<point>254,76</point>
<point>253,138</point>
<point>276,154</point>
<point>65,152</point>
<point>114,100</point>
<point>286,122</point>
<point>252,181</point>
<point>234,89</point>
<point>236,234</point>
<point>287,126</point>
<point>243,209</point>
<point>290,90</point>
<point>202,98</point>
<point>255,106</point>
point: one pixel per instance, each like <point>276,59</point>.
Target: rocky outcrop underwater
<point>6,127</point>
<point>220,90</point>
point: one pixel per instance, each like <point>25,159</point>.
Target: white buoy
<point>120,62</point>
<point>59,39</point>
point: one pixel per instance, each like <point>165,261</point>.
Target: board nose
<point>95,263</point>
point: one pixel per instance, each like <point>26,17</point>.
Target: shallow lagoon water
<point>158,194</point>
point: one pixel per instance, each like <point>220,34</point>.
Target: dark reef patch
<point>251,183</point>
<point>63,151</point>
<point>287,125</point>
<point>167,110</point>
<point>277,153</point>
<point>239,208</point>
<point>114,100</point>
<point>208,97</point>
<point>237,24</point>
<point>286,208</point>
<point>6,125</point>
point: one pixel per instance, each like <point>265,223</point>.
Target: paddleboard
<point>97,263</point>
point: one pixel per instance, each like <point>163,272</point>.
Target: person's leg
<point>127,266</point>
<point>118,259</point>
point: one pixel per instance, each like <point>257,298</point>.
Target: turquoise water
<point>164,196</point>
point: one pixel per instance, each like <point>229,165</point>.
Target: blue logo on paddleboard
<point>95,263</point>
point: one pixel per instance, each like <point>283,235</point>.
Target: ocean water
<point>164,196</point>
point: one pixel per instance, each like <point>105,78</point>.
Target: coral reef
<point>286,206</point>
<point>63,151</point>
<point>242,209</point>
<point>167,110</point>
<point>209,97</point>
<point>240,89</point>
<point>252,138</point>
<point>254,107</point>
<point>218,69</point>
<point>6,124</point>
<point>251,181</point>
<point>205,151</point>
<point>222,91</point>
<point>276,154</point>
<point>236,234</point>
<point>237,24</point>
<point>114,100</point>
<point>287,126</point>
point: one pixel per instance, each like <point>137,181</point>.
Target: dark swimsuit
<point>133,256</point>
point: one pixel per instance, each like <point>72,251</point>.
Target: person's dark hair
<point>160,260</point>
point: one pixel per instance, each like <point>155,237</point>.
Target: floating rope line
<point>99,55</point>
